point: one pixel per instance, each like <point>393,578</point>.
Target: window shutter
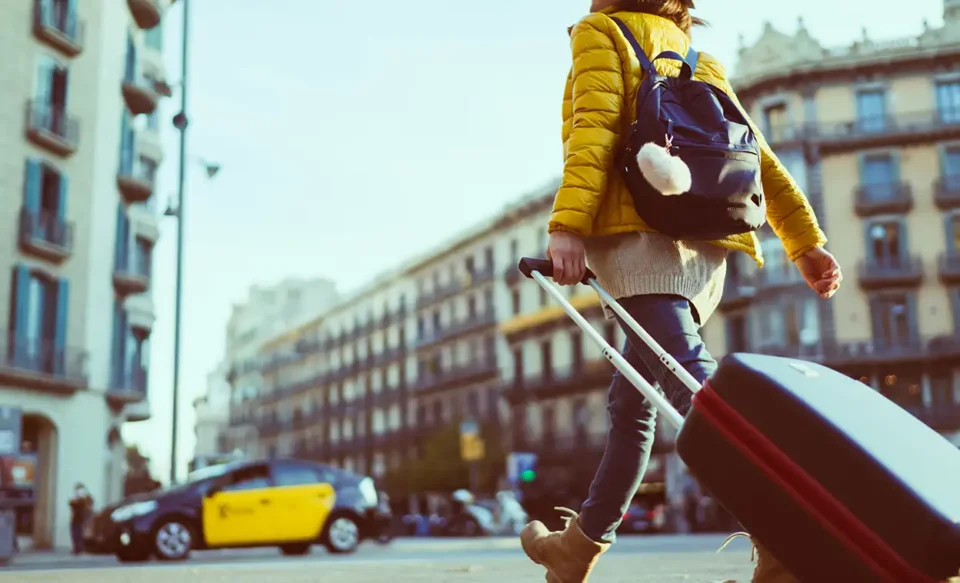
<point>32,185</point>
<point>60,325</point>
<point>912,316</point>
<point>121,254</point>
<point>62,197</point>
<point>18,308</point>
<point>44,88</point>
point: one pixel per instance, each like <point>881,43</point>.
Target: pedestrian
<point>81,505</point>
<point>669,285</point>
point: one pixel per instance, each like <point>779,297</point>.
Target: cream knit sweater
<point>634,264</point>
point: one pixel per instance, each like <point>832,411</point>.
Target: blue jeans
<point>673,323</point>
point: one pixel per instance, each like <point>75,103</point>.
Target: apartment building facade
<point>81,143</point>
<point>267,311</point>
<point>872,134</point>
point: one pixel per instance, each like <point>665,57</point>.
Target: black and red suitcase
<point>839,483</point>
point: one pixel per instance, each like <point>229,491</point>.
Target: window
<point>948,101</point>
<point>130,64</point>
<point>515,301</point>
<point>473,404</point>
<point>955,304</point>
<point>518,372</point>
<point>886,243</point>
<point>143,256</point>
<point>546,354</point>
<point>50,96</point>
<point>470,266</point>
<point>253,478</point>
<point>421,327</point>
<point>576,344</point>
<point>146,169</point>
<point>153,38</point>
<point>953,233</point>
<point>893,319</point>
<point>871,110</point>
<point>581,419</point>
<point>122,261</point>
<point>610,333</point>
<point>775,122</point>
<point>471,307</point>
<point>38,321</point>
<point>44,202</point>
<point>288,474</point>
<point>737,338</point>
<point>878,176</point>
<point>488,257</point>
<point>549,420</point>
<point>514,252</point>
<point>543,296</point>
<point>127,145</point>
<point>130,354</point>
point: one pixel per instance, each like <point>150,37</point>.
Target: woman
<point>670,286</point>
<point>81,505</point>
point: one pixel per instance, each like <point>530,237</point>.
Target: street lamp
<point>180,122</point>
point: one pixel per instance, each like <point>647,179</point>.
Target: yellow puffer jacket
<point>598,106</point>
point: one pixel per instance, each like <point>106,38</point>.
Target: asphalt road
<point>649,559</point>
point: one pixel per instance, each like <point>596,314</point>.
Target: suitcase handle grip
<point>529,264</point>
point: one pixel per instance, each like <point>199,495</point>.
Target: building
<point>81,145</point>
<point>872,134</point>
<point>268,311</point>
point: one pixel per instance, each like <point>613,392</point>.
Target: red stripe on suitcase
<point>817,500</point>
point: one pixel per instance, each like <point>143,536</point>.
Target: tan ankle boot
<point>769,569</point>
<point>568,555</point>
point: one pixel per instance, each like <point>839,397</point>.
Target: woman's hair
<point>677,11</point>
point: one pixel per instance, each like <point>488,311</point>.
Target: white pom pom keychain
<point>665,172</point>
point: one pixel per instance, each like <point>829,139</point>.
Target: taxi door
<point>237,511</point>
<point>303,498</point>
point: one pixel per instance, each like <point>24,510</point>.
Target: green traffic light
<point>528,475</point>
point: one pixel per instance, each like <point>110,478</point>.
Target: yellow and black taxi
<point>290,504</point>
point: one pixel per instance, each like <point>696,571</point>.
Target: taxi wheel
<point>342,535</point>
<point>172,540</point>
<point>295,550</point>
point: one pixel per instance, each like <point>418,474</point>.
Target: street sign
<point>11,427</point>
<point>472,447</point>
<point>521,467</point>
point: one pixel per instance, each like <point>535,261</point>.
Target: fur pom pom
<point>665,172</point>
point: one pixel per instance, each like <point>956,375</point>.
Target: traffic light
<point>528,475</point>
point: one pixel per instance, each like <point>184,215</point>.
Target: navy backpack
<point>681,122</point>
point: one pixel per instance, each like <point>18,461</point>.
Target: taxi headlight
<point>133,510</point>
<point>368,491</point>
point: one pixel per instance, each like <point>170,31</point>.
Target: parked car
<point>290,504</point>
<point>642,519</point>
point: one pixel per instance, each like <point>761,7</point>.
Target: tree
<point>138,479</point>
<point>441,469</point>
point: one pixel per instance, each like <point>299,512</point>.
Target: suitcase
<point>839,483</point>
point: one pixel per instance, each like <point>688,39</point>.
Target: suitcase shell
<point>839,483</point>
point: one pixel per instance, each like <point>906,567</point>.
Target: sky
<point>353,135</point>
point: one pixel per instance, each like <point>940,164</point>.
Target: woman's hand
<point>565,250</point>
<point>821,271</point>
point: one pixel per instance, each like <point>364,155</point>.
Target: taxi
<point>290,504</point>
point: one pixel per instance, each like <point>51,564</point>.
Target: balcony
<point>457,375</point>
<point>41,365</point>
<point>136,179</point>
<point>884,198</point>
<point>512,275</point>
<point>890,272</point>
<point>480,321</point>
<point>948,266</point>
<point>587,376</point>
<point>438,294</point>
<point>131,276</point>
<point>139,92</point>
<point>46,235</point>
<point>738,291</point>
<point>140,313</point>
<point>946,192</point>
<point>50,127</point>
<point>58,27</point>
<point>900,129</point>
<point>146,13</point>
<point>940,417</point>
<point>128,387</point>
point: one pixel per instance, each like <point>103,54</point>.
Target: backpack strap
<point>688,64</point>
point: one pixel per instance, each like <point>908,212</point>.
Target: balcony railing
<point>128,386</point>
<point>946,192</point>
<point>881,198</point>
<point>131,274</point>
<point>41,364</point>
<point>738,290</point>
<point>579,378</point>
<point>136,178</point>
<point>899,128</point>
<point>146,13</point>
<point>45,234</point>
<point>458,374</point>
<point>890,272</point>
<point>51,127</point>
<point>486,318</point>
<point>949,267</point>
<point>58,26</point>
<point>941,416</point>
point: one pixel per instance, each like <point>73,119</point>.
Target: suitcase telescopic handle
<point>528,265</point>
<point>530,268</point>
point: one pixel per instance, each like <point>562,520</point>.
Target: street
<point>636,559</point>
